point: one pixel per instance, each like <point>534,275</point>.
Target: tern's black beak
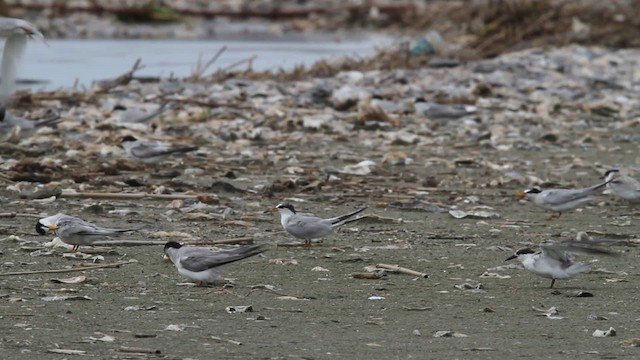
<point>511,257</point>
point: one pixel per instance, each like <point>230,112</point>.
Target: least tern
<point>555,260</point>
<point>151,151</point>
<point>124,114</point>
<point>202,265</point>
<point>75,231</point>
<point>622,185</point>
<point>559,200</point>
<point>9,121</point>
<point>311,227</point>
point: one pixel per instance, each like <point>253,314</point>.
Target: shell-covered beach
<point>435,144</point>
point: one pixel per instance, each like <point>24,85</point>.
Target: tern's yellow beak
<point>53,227</point>
<point>107,113</point>
<point>521,194</point>
<point>118,141</point>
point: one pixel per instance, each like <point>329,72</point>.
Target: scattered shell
<point>447,333</point>
<point>288,297</point>
<point>104,338</point>
<point>282,261</point>
<point>470,287</point>
<point>604,333</point>
<point>239,309</point>
<point>67,351</point>
<point>65,298</point>
<point>174,328</point>
<point>633,342</point>
<point>550,313</point>
<point>494,275</point>
<point>580,294</point>
<point>477,214</point>
<point>72,280</point>
<point>368,275</point>
<point>362,168</point>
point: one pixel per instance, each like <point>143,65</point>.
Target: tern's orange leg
<point>307,245</point>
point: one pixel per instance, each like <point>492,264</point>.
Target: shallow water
<point>64,62</point>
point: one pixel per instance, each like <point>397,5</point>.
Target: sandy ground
<point>328,314</point>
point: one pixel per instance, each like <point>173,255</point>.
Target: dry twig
<point>138,350</point>
<point>123,79</point>
<point>133,196</point>
<point>54,271</point>
<point>197,73</point>
<point>402,270</point>
<point>13,214</point>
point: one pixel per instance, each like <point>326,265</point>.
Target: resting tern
<point>131,115</point>
<point>555,260</point>
<point>559,200</point>
<point>622,185</point>
<point>42,225</point>
<point>9,121</point>
<point>202,265</point>
<point>75,231</point>
<point>151,151</point>
<point>311,227</point>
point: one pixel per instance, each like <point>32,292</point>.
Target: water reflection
<point>63,62</point>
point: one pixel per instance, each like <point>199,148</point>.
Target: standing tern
<point>559,200</point>
<point>311,227</point>
<point>75,231</point>
<point>202,265</point>
<point>151,151</point>
<point>555,260</point>
<point>622,185</point>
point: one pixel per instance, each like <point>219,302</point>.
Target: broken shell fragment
<point>604,333</point>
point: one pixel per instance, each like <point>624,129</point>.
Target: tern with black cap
<point>559,200</point>
<point>204,266</point>
<point>556,260</point>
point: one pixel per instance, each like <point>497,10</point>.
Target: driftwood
<point>123,79</point>
<point>138,350</point>
<point>12,215</point>
<point>402,270</point>
<point>132,196</point>
<point>200,69</point>
<point>54,271</point>
<point>367,275</point>
<point>240,240</point>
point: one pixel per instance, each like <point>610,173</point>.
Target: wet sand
<point>328,314</point>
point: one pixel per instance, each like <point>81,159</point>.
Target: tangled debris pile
<point>276,137</point>
<point>470,29</point>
